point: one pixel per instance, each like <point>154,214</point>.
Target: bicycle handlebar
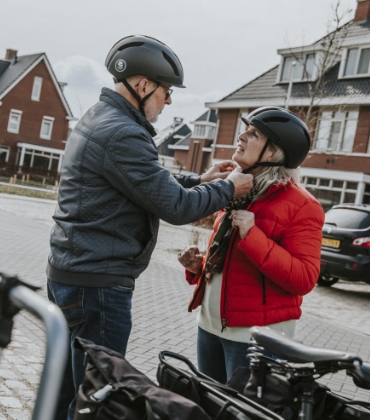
<point>56,348</point>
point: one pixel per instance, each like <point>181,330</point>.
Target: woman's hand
<point>243,220</point>
<point>191,258</point>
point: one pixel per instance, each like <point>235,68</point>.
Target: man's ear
<point>143,87</point>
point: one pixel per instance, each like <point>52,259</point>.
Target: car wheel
<point>326,281</point>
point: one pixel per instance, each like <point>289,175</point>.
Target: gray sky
<point>222,44</point>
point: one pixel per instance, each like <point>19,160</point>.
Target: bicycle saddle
<point>295,352</point>
<point>361,375</point>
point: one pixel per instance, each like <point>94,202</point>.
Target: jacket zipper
<point>223,315</point>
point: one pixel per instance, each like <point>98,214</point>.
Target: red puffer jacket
<point>266,274</point>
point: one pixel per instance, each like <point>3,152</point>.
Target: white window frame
<point>342,190</point>
<point>342,129</point>
<point>294,58</point>
<point>14,112</point>
<point>50,120</point>
<point>36,88</point>
<point>5,149</point>
<point>344,62</point>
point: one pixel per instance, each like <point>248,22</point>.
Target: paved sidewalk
<point>161,320</point>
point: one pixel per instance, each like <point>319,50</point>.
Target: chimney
<point>362,11</point>
<point>177,121</point>
<point>11,55</point>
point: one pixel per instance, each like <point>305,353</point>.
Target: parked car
<point>345,252</point>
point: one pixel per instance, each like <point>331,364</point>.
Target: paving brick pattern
<point>161,320</point>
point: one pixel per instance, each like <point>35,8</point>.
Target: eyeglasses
<point>168,94</point>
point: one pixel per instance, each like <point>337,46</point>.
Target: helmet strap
<point>263,164</point>
<point>140,101</point>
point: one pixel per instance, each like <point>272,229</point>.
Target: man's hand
<point>243,220</point>
<point>218,170</point>
<point>191,258</point>
<point>243,182</point>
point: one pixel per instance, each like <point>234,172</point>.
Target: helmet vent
<point>276,119</point>
<point>131,44</point>
<point>171,62</point>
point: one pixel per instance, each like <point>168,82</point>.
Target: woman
<point>264,252</point>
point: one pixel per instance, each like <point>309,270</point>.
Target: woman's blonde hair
<point>276,174</point>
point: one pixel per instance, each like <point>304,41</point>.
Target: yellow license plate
<point>334,243</point>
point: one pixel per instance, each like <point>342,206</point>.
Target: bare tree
<point>327,52</point>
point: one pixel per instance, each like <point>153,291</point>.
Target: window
<point>14,121</point>
<point>36,90</point>
<point>4,153</point>
<point>336,130</point>
<point>366,199</point>
<point>357,62</point>
<point>40,159</point>
<point>303,69</point>
<point>200,131</point>
<point>330,192</point>
<point>46,128</point>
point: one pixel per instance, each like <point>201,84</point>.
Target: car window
<point>348,218</point>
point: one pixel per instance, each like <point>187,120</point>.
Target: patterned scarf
<point>220,243</point>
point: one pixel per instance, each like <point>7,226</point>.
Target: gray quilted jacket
<point>112,193</point>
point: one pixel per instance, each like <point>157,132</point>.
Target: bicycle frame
<point>56,346</point>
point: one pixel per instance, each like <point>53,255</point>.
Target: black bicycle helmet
<point>284,129</point>
<point>146,56</point>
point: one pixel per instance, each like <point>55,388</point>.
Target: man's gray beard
<point>152,119</point>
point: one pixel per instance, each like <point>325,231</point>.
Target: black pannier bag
<point>220,402</point>
<point>114,389</point>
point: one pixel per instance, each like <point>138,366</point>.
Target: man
<point>112,193</point>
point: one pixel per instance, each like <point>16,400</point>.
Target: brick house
<point>337,168</point>
<point>193,152</point>
<point>34,115</point>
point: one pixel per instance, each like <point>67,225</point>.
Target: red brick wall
<point>180,156</point>
<point>195,161</point>
<point>338,163</point>
<point>363,131</point>
<point>362,11</point>
<point>50,105</point>
<point>228,119</point>
<point>223,153</point>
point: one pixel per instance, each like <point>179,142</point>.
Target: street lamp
<point>290,85</point>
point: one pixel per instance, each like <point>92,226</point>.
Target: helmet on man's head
<point>284,129</point>
<point>146,56</point>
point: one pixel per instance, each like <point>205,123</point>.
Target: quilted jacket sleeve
<point>188,181</point>
<point>294,263</point>
<point>131,166</point>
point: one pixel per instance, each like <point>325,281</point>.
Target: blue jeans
<point>102,315</point>
<point>218,357</point>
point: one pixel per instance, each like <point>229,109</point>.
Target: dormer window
<point>303,69</point>
<point>199,131</point>
<point>357,62</point>
<point>36,89</point>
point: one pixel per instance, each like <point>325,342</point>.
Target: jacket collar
<point>115,99</point>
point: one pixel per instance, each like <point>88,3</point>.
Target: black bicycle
<point>285,387</point>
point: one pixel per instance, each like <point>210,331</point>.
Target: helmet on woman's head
<point>284,129</point>
<point>142,55</point>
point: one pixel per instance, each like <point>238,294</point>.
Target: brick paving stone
<point>160,317</point>
<point>10,402</point>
